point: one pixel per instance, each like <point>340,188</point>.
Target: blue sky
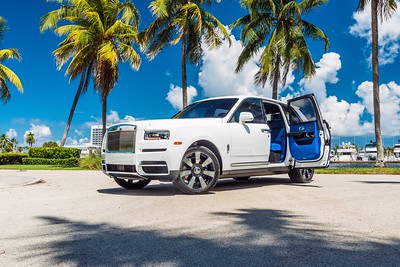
<point>342,83</point>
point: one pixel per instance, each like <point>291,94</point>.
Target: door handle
<point>265,130</point>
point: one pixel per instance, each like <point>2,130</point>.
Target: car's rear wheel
<point>131,184</point>
<point>301,175</point>
<point>199,171</point>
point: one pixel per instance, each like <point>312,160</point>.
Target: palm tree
<point>279,24</point>
<point>382,9</point>
<point>4,141</point>
<point>6,74</point>
<point>30,139</point>
<point>99,35</point>
<point>186,22</point>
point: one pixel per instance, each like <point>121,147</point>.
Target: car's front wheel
<point>131,184</point>
<point>301,175</point>
<point>198,172</point>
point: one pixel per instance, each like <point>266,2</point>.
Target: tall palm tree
<point>186,22</point>
<point>383,10</point>
<point>279,24</point>
<point>30,139</point>
<point>6,74</point>
<point>99,35</point>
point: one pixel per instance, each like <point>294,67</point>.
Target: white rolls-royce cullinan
<point>224,137</point>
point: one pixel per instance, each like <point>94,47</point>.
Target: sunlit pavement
<point>82,218</point>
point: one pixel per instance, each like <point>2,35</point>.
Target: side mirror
<point>245,117</point>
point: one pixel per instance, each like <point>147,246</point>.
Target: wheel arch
<point>212,147</point>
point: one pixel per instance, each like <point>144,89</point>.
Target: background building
<point>96,135</point>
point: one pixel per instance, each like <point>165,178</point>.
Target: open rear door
<point>309,136</point>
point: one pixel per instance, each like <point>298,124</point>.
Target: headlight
<point>156,135</point>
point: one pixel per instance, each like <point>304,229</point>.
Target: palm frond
<point>9,75</point>
<point>9,53</point>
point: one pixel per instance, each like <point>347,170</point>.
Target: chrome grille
<point>121,140</point>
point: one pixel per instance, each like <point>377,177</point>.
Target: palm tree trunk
<point>71,112</point>
<point>184,74</point>
<point>104,114</point>
<point>375,79</point>
<point>276,78</point>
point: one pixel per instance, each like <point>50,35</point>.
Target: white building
<point>96,135</point>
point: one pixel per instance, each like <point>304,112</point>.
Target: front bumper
<point>134,166</point>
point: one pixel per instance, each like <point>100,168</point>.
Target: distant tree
<point>50,144</point>
<point>281,25</point>
<point>4,142</point>
<point>186,22</point>
<point>30,139</point>
<point>20,149</point>
<point>99,35</point>
<point>13,142</point>
<point>6,74</point>
<point>383,10</point>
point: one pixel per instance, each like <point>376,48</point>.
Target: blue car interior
<point>278,133</point>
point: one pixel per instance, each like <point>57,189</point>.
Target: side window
<point>302,110</point>
<point>273,113</point>
<point>254,107</point>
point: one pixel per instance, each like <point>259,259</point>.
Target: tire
<point>244,178</point>
<point>198,172</point>
<point>301,175</point>
<point>131,184</point>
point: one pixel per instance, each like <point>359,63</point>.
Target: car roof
<point>241,97</point>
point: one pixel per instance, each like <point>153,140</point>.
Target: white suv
<point>225,137</point>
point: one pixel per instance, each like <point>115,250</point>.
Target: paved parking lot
<point>82,218</point>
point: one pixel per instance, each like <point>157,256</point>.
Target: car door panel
<point>309,136</point>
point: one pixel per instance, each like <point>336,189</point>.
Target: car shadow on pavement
<point>379,182</point>
<point>163,189</point>
<point>251,237</point>
<point>167,189</point>
<point>255,182</point>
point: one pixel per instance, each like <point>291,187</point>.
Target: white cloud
<point>11,133</point>
<point>112,118</point>
<point>174,95</point>
<point>344,118</point>
<point>80,133</point>
<point>389,33</point>
<point>326,72</point>
<point>42,133</point>
<point>347,119</point>
<point>74,141</point>
<point>390,105</point>
<point>218,77</point>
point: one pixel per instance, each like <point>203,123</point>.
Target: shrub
<point>91,163</point>
<point>54,152</point>
<point>11,158</point>
<point>50,144</point>
<point>71,162</point>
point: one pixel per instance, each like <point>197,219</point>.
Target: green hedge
<point>54,152</point>
<point>11,158</point>
<point>72,162</point>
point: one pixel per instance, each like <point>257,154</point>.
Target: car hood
<point>172,123</point>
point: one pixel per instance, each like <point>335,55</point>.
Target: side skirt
<point>255,172</point>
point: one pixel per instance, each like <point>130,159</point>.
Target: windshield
<point>216,108</point>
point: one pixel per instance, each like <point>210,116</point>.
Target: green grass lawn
<point>38,167</point>
<point>392,171</point>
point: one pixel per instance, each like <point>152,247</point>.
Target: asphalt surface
<point>82,218</point>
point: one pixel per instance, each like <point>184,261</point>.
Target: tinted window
<point>254,107</point>
<point>302,110</point>
<point>217,108</point>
